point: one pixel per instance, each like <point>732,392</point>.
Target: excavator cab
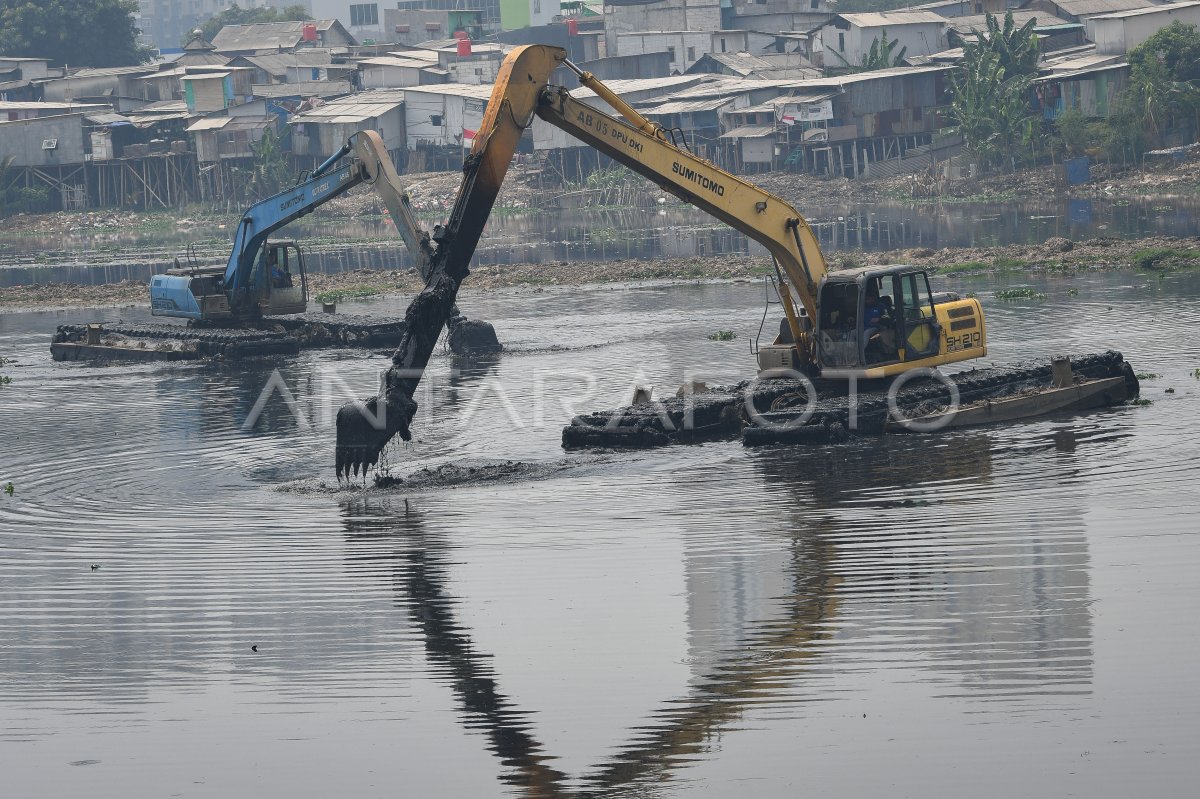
<point>881,320</point>
<point>280,283</point>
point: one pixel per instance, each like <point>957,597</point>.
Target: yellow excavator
<point>867,323</point>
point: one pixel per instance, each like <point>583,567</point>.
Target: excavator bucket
<point>365,428</point>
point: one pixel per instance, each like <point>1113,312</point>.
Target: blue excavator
<point>266,277</point>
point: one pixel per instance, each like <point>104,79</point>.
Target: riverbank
<point>433,193</point>
<point>1057,255</point>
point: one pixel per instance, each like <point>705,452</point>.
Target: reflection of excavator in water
<point>869,323</point>
<point>265,277</point>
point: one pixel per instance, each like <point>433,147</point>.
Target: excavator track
<point>724,412</point>
<point>281,335</point>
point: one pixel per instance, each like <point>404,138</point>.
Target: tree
<point>1163,79</point>
<point>234,15</point>
<point>991,109</point>
<point>990,93</point>
<point>84,33</point>
<point>882,55</point>
<point>1016,48</point>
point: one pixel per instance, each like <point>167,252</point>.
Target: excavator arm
<point>643,146</point>
<point>172,295</point>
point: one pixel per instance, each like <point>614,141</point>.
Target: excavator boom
<point>520,93</point>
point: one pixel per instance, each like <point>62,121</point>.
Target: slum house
<point>767,66</point>
<point>1089,83</point>
<point>20,77</point>
<point>876,116</point>
<point>776,15</point>
<point>15,110</point>
<point>951,9</point>
<point>661,15</point>
<point>581,45</point>
<point>1052,33</point>
<point>199,53</point>
<point>209,89</point>
<point>393,71</point>
<point>678,45</point>
<point>1079,10</point>
<point>622,67</point>
<point>440,123</point>
<point>140,160</point>
<point>756,138</point>
<point>118,86</point>
<point>1121,31</point>
<point>846,40</point>
<point>416,21</point>
<point>697,113</point>
<point>571,158</point>
<point>467,62</point>
<point>278,37</point>
<point>319,132</point>
<point>307,65</point>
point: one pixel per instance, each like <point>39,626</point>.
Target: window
<point>362,14</point>
<point>722,45</point>
<point>671,53</point>
<point>842,42</point>
<point>813,4</point>
<point>691,54</point>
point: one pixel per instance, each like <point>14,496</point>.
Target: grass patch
<point>1020,294</point>
<point>1002,263</point>
<point>722,335</point>
<point>1164,257</point>
<point>349,293</point>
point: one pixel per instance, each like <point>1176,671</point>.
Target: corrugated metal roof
<point>749,132</point>
<point>796,99</point>
<point>269,35</point>
<point>1078,73</point>
<point>1090,8</point>
<point>345,112</point>
<point>1137,12</point>
<point>308,88</point>
<point>107,118</point>
<point>104,72</point>
<point>229,123</point>
<point>978,22</point>
<point>205,75</point>
<point>209,123</point>
<point>477,92</point>
<point>881,19</point>
<point>416,54</point>
<point>18,105</point>
<point>687,106</point>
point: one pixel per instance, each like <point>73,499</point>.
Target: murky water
<point>597,235</point>
<point>989,613</point>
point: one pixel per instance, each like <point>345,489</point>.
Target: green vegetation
<point>1147,376</point>
<point>349,293</point>
<point>990,106</point>
<point>1164,257</point>
<point>1020,294</point>
<point>1000,263</point>
<point>882,55</point>
<point>1196,374</point>
<point>9,488</point>
<point>270,173</point>
<point>1072,292</point>
<point>80,33</point>
<point>722,335</point>
<point>5,379</point>
<point>249,16</point>
<point>18,199</point>
<point>1141,401</point>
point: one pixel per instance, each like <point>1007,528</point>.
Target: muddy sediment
<point>1057,255</point>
